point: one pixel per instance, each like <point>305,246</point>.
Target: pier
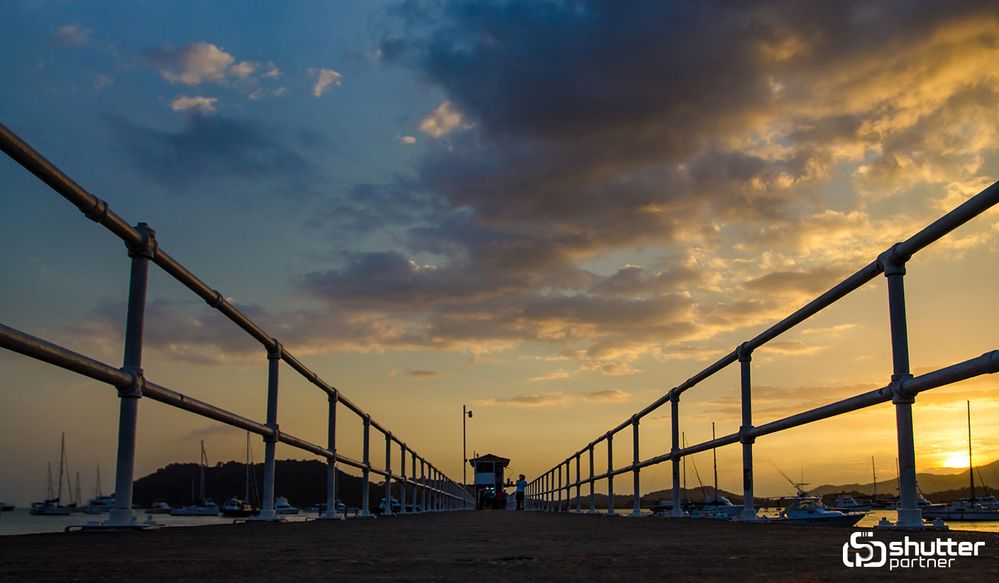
<point>479,546</point>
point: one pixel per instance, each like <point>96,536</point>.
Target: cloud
<point>192,64</point>
<point>72,35</point>
<point>557,399</point>
<point>423,374</point>
<point>408,140</point>
<point>198,104</point>
<point>442,121</point>
<point>607,396</point>
<point>325,78</point>
<point>546,400</point>
<point>102,82</point>
<point>211,148</point>
<point>552,376</point>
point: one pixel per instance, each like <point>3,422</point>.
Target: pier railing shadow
<point>552,491</point>
<point>420,484</point>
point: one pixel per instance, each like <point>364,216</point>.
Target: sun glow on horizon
<point>957,459</point>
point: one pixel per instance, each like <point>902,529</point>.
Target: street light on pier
<point>466,414</point>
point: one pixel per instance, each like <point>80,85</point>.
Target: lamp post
<point>466,414</point>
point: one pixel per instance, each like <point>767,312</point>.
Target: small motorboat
<point>99,504</point>
<point>204,508</point>
<point>846,503</point>
<point>811,511</point>
<point>4,507</point>
<point>717,507</point>
<point>236,508</point>
<point>159,507</point>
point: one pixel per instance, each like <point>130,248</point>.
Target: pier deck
<point>480,546</point>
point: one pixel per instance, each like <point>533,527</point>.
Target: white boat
<point>206,507</point>
<point>281,506</point>
<point>811,511</point>
<point>4,507</point>
<point>159,507</point>
<point>845,503</point>
<point>963,511</point>
<point>718,507</point>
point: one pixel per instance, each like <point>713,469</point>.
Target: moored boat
<point>809,510</point>
<point>281,506</point>
<point>236,508</point>
<point>846,503</point>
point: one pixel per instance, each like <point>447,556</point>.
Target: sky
<point>551,212</point>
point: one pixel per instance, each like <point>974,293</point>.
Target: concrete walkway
<point>467,546</point>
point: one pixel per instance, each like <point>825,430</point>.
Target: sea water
<point>21,521</point>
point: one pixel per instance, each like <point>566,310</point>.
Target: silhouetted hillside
<point>302,482</point>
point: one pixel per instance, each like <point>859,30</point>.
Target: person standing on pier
<point>521,487</point>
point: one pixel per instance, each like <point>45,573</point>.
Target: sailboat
<point>205,507</point>
<point>99,503</point>
<point>716,506</point>
<point>234,507</point>
<point>51,505</point>
<point>969,509</point>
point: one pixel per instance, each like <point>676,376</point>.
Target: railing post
<point>366,471</point>
<point>674,402</point>
<point>745,354</point>
<point>637,510</point>
<point>387,508</point>
<point>416,487</point>
<point>559,488</point>
<point>128,411</point>
<point>579,486</point>
<point>610,477</point>
<point>423,485</point>
<point>593,493</point>
<point>331,513</point>
<point>270,441</point>
<point>909,514</point>
<point>546,494</point>
<point>403,482</point>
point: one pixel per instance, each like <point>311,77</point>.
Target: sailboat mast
<point>971,466</point>
<point>48,494</point>
<point>683,462</point>
<point>246,495</point>
<point>100,491</point>
<point>201,462</point>
<point>79,499</point>
<point>62,461</point>
<point>714,457</point>
<point>874,474</point>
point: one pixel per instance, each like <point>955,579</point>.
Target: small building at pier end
<point>489,481</point>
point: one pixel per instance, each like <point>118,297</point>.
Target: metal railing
<point>429,488</point>
<point>546,492</point>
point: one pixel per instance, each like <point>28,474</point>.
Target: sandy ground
<point>484,546</point>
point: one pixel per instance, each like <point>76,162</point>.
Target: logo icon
<point>864,553</point>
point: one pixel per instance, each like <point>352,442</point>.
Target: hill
<point>928,483</point>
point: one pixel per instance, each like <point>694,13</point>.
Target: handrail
<point>546,491</point>
<point>437,490</point>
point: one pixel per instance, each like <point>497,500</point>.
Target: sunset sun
<point>955,459</point>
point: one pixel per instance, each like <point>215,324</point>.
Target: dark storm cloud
<point>574,129</point>
<point>211,148</point>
